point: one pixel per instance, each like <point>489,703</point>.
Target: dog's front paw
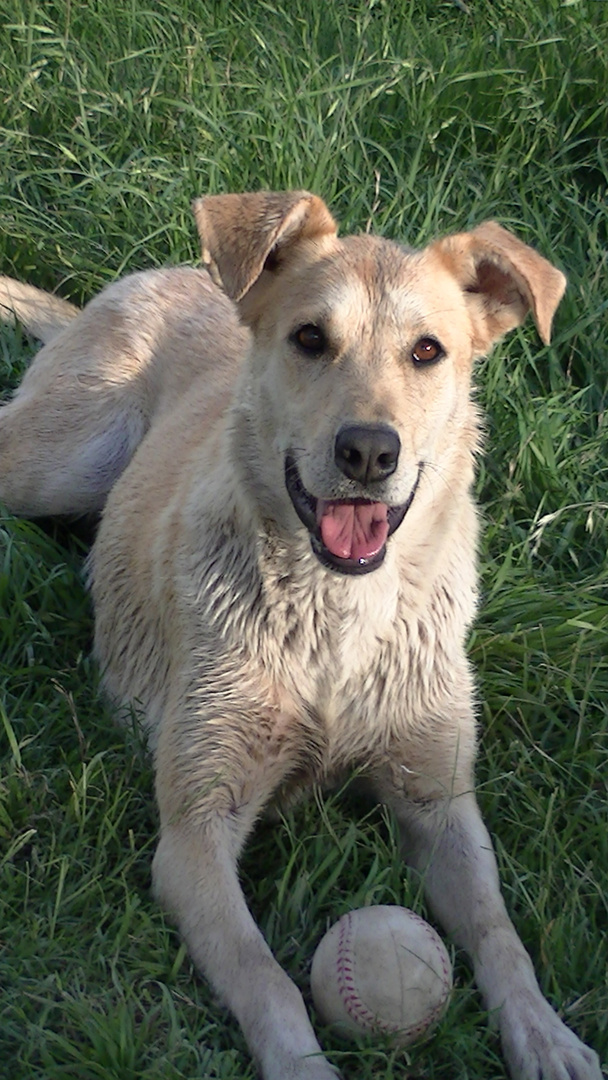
<point>538,1046</point>
<point>314,1067</point>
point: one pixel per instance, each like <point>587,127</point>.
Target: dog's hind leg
<point>63,459</point>
<point>59,457</point>
<point>75,421</point>
<point>445,839</point>
<point>92,393</point>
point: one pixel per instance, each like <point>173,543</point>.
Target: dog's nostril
<point>367,453</point>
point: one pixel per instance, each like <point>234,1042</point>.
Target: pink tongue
<point>353,530</point>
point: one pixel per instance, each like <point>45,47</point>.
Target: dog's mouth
<point>346,535</point>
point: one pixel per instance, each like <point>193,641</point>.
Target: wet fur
<point>257,670</point>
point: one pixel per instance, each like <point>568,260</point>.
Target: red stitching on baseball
<point>355,1008</point>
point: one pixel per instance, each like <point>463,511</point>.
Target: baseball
<point>381,969</point>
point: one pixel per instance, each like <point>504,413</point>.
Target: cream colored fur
<point>257,669</point>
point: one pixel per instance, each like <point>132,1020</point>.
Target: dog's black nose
<point>367,453</point>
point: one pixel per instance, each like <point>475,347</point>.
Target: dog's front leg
<point>203,829</point>
<point>446,840</point>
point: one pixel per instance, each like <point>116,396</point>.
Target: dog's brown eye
<point>427,351</point>
<point>310,339</point>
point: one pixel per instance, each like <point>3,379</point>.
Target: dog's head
<point>355,406</point>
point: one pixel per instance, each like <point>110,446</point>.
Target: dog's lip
<point>305,506</point>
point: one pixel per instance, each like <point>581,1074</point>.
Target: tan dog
<point>285,572</point>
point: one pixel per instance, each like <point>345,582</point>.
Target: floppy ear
<point>503,279</point>
<point>241,235</point>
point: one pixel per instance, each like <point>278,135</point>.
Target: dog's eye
<point>310,339</point>
<point>427,351</point>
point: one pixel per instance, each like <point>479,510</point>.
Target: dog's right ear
<point>242,235</point>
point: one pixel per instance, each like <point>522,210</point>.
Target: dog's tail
<point>40,313</point>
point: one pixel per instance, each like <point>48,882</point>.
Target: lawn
<point>412,119</point>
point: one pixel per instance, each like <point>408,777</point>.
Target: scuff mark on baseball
<point>381,969</point>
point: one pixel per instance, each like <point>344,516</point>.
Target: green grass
<point>411,118</point>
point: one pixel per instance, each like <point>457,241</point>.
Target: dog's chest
<point>346,666</point>
<point>362,662</point>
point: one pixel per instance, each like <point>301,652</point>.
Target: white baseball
<point>381,969</point>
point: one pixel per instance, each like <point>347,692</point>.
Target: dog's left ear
<point>241,235</point>
<point>503,279</point>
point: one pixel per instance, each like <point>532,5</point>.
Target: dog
<point>282,445</point>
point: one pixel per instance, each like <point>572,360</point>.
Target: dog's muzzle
<point>347,535</point>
